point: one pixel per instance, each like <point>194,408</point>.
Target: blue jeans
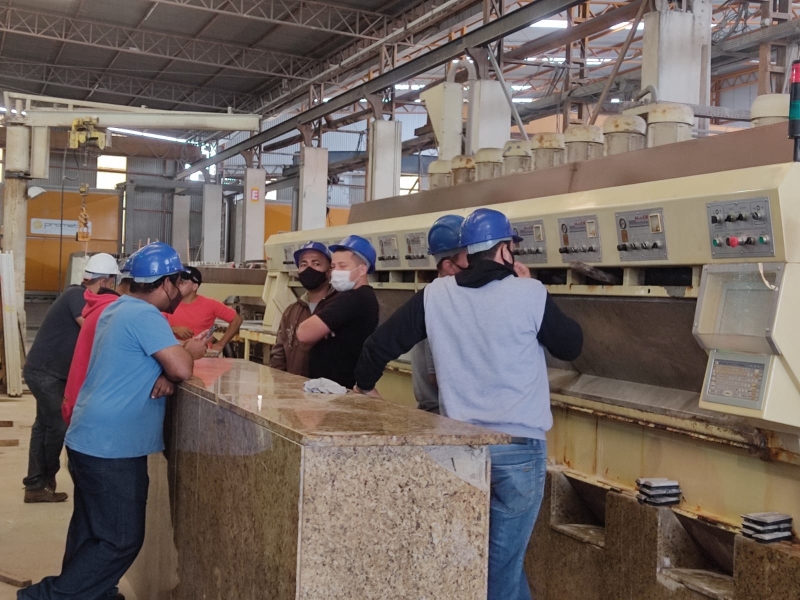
<point>106,531</point>
<point>48,431</point>
<point>518,473</point>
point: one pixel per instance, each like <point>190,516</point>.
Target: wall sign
<point>53,227</point>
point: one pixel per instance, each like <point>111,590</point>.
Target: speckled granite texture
<point>310,497</point>
<point>648,552</point>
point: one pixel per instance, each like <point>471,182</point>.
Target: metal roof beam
<point>494,30</point>
<point>139,88</point>
<point>305,14</point>
<point>151,43</point>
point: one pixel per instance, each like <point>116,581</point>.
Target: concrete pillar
<point>15,208</point>
<point>253,215</point>
<point>702,9</point>
<point>181,208</point>
<point>385,140</point>
<point>671,59</point>
<point>212,219</point>
<point>313,193</point>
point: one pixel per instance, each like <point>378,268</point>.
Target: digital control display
<point>736,379</point>
<point>416,250</point>
<point>641,235</point>
<point>579,239</point>
<point>740,228</point>
<point>533,247</point>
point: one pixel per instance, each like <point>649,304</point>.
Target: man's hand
<point>195,347</point>
<point>163,387</point>
<point>374,392</point>
<point>182,333</point>
<point>521,270</point>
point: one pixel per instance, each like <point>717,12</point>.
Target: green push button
<point>716,242</point>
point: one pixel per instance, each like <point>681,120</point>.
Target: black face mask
<point>174,302</point>
<point>511,252</point>
<point>311,279</point>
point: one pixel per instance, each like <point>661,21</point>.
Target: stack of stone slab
<point>767,527</point>
<point>658,491</point>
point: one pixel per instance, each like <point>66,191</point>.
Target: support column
<point>181,207</point>
<point>312,200</point>
<point>253,215</point>
<point>15,208</point>
<point>671,60</point>
<point>212,219</point>
<point>385,153</point>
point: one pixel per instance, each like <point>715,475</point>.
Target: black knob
<point>563,250</point>
<point>729,219</point>
<point>655,245</point>
<point>715,219</point>
<point>408,257</point>
<point>750,241</point>
<point>622,247</point>
<point>741,217</point>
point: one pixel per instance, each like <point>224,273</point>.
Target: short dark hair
<point>97,279</point>
<point>193,275</point>
<point>485,254</point>
<point>148,288</point>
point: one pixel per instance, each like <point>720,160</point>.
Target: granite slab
<point>276,400</point>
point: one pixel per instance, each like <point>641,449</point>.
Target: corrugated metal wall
<point>80,169</point>
<point>149,214</point>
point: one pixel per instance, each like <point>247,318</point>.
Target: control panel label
<point>388,252</point>
<point>580,239</point>
<point>533,247</point>
<point>740,228</point>
<point>416,250</point>
<point>641,235</point>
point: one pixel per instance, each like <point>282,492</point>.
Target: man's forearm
<point>231,330</point>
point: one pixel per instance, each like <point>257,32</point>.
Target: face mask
<point>311,279</point>
<point>174,302</point>
<point>510,265</point>
<point>340,280</point>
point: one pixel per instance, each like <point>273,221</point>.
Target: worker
<point>116,424</point>
<point>488,328</point>
<point>444,243</point>
<point>198,313</point>
<point>313,261</point>
<point>337,329</point>
<point>46,370</point>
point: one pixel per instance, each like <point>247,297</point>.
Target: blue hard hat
<point>445,235</point>
<point>155,261</point>
<point>317,246</point>
<point>486,225</point>
<point>359,245</point>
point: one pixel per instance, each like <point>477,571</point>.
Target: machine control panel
<point>388,252</point>
<point>287,261</point>
<point>740,228</point>
<point>580,239</point>
<point>641,235</point>
<point>533,247</point>
<point>736,380</point>
<point>416,250</point>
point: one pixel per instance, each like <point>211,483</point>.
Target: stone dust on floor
<point>32,536</point>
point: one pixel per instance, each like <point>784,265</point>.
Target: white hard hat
<point>99,265</point>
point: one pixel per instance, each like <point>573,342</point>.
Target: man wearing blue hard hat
<point>116,424</point>
<point>313,261</point>
<point>444,243</point>
<point>338,329</point>
<point>488,328</point>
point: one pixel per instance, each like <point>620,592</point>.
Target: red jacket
<point>95,305</point>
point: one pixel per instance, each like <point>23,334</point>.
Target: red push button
<point>733,241</point>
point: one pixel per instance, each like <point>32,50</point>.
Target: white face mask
<point>340,280</point>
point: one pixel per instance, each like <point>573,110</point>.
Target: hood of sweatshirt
<point>95,302</point>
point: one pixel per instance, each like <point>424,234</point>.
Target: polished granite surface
<point>275,400</point>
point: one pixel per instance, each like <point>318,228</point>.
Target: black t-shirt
<point>351,316</point>
<point>55,341</point>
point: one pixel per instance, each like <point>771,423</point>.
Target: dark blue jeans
<point>48,431</point>
<point>518,473</point>
<point>106,531</point>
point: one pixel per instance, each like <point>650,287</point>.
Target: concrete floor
<point>32,536</point>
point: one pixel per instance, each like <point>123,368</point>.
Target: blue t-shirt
<point>115,417</point>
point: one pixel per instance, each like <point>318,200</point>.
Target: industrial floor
<point>32,536</point>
